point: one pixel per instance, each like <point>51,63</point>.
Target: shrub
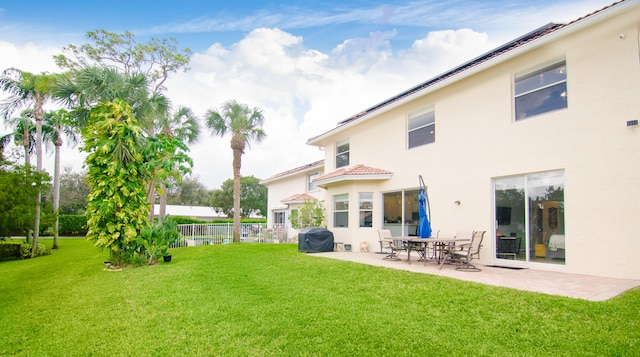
<point>187,220</point>
<point>10,250</point>
<point>150,244</point>
<point>72,225</point>
<point>311,214</point>
<point>25,250</point>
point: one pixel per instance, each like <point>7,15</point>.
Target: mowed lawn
<point>271,300</point>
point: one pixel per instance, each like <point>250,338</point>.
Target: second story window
<point>541,91</point>
<point>421,128</point>
<point>342,153</point>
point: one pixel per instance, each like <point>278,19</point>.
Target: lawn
<point>257,300</point>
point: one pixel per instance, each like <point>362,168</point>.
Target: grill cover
<point>315,240</point>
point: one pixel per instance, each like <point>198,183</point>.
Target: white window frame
<point>347,152</point>
<point>365,206</point>
<point>311,187</point>
<point>539,70</point>
<point>429,125</point>
<point>344,210</point>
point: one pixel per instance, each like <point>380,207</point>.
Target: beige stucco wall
<point>287,187</point>
<point>477,140</point>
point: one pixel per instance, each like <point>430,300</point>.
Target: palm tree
<point>84,87</point>
<point>27,89</point>
<point>183,125</point>
<point>24,133</point>
<point>57,124</point>
<point>244,125</point>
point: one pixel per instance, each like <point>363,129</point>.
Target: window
<point>366,209</point>
<point>310,185</point>
<point>421,128</point>
<point>342,153</point>
<point>278,219</point>
<point>341,210</point>
<point>541,91</point>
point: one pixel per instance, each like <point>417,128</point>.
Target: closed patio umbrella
<point>424,226</point>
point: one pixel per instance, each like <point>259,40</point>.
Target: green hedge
<point>74,225</point>
<point>189,220</point>
<point>18,250</point>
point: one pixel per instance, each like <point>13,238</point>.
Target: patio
<point>585,287</point>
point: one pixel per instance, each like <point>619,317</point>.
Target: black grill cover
<point>315,240</point>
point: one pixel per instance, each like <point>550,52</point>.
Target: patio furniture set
<point>459,250</point>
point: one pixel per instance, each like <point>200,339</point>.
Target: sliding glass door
<point>529,217</point>
<point>400,212</point>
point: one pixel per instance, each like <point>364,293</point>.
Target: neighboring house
<point>287,192</point>
<point>537,143</point>
<point>196,212</point>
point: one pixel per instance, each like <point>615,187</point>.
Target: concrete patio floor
<point>585,287</point>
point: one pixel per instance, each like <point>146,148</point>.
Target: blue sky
<point>308,65</point>
<point>323,24</point>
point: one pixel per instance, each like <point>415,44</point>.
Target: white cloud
<point>302,92</point>
<point>28,57</point>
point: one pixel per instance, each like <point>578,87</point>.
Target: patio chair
<point>387,243</point>
<point>464,253</point>
<point>384,236</point>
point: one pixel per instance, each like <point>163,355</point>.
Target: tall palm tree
<point>183,125</point>
<point>28,89</point>
<point>244,125</point>
<point>57,124</point>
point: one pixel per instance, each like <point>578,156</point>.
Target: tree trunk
<point>163,204</point>
<point>237,145</point>
<point>27,165</point>
<point>151,198</point>
<point>39,114</point>
<point>56,192</point>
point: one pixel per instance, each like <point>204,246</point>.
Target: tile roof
<point>302,168</point>
<point>300,197</point>
<point>355,172</point>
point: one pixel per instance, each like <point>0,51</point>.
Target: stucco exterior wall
<point>478,140</point>
<point>286,187</point>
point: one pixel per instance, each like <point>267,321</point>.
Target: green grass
<point>257,300</point>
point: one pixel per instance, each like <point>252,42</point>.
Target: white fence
<point>222,233</point>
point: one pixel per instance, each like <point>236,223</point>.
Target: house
<point>287,191</point>
<point>204,213</point>
<point>537,143</point>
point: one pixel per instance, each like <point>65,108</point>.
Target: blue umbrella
<point>424,227</point>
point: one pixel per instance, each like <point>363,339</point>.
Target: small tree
<point>311,214</point>
<point>116,174</point>
<point>253,197</point>
<point>18,186</point>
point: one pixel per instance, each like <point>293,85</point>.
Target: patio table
<point>437,243</point>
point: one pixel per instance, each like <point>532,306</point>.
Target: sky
<point>307,66</point>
